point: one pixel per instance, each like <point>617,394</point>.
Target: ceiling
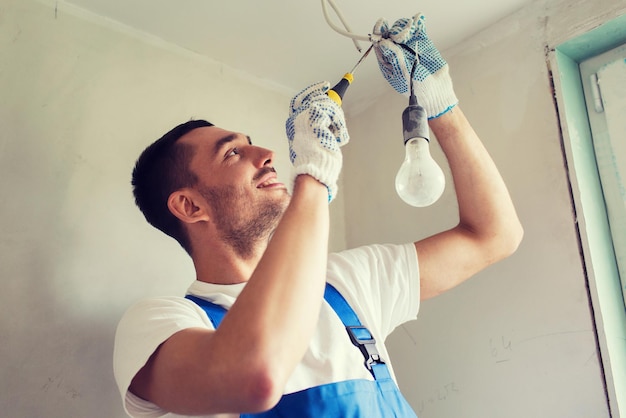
<point>289,42</point>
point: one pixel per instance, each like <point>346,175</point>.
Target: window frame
<point>598,257</point>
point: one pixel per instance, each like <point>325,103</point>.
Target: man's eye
<point>234,151</point>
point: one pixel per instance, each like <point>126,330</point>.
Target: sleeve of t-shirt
<point>381,282</point>
<point>142,329</point>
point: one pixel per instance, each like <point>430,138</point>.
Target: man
<point>262,255</point>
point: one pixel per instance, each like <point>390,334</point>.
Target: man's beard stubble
<point>243,234</point>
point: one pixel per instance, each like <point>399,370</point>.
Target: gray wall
<point>518,339</point>
<point>80,98</point>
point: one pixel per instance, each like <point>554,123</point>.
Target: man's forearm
<point>284,294</point>
<point>244,365</point>
<point>485,206</point>
<point>488,230</point>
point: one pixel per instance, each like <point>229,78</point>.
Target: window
<point>593,146</point>
<point>604,85</point>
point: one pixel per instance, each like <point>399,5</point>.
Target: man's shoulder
<point>372,251</point>
<point>158,302</point>
<point>156,309</point>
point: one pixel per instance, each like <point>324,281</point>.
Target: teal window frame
<point>605,288</point>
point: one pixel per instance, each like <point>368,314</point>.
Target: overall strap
<point>214,312</point>
<point>359,335</point>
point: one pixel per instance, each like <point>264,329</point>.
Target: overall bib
<point>357,398</point>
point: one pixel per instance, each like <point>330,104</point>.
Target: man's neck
<point>222,265</point>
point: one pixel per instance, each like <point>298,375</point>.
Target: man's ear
<point>187,206</point>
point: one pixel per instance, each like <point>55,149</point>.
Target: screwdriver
<point>338,90</point>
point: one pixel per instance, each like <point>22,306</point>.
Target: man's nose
<point>264,157</point>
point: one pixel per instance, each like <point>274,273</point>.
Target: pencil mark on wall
<point>17,34</point>
<point>593,358</point>
<point>554,334</point>
<point>438,395</point>
<point>409,335</point>
<point>56,384</point>
<point>501,349</point>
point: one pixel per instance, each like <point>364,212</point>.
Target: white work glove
<point>316,128</point>
<point>395,50</point>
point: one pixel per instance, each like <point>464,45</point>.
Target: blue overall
<point>358,398</point>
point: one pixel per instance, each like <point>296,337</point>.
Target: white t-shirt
<point>380,282</point>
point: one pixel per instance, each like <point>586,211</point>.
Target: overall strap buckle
<point>360,336</point>
<point>365,341</point>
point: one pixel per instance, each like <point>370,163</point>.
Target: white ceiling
<point>289,42</point>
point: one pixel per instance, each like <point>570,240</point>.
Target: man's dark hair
<point>163,168</point>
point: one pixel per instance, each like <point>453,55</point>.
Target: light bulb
<point>420,181</point>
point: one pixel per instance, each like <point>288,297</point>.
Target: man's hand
<point>401,47</point>
<point>316,128</point>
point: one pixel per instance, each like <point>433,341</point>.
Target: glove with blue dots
<point>316,128</point>
<point>396,48</point>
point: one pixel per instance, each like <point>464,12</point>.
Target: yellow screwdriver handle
<point>336,93</point>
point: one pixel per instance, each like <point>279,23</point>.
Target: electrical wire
<point>355,38</point>
<point>347,32</point>
<point>413,67</point>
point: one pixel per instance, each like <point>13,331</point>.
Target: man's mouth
<point>267,177</point>
<point>267,183</point>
